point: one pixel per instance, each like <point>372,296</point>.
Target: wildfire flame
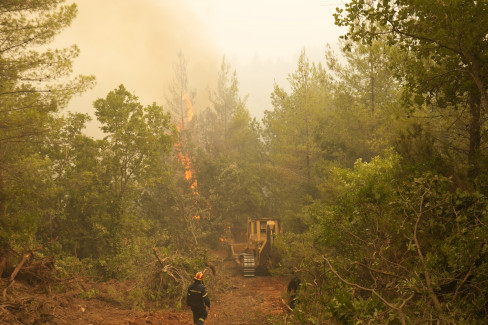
<point>227,236</point>
<point>185,161</point>
<point>189,106</point>
<point>183,158</point>
<point>189,113</point>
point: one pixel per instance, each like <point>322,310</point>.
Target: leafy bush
<point>393,250</point>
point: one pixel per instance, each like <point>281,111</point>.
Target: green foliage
<point>136,138</point>
<point>444,61</point>
<point>100,181</point>
<point>67,266</point>
<point>364,111</point>
<point>166,283</point>
<point>89,294</point>
<point>137,298</point>
<point>397,249</point>
<point>34,86</point>
<point>228,161</point>
<point>290,133</point>
<point>377,235</point>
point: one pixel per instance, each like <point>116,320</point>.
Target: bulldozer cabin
<point>255,253</point>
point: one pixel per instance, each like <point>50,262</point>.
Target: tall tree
<point>225,101</point>
<point>133,152</point>
<point>230,155</point>
<point>34,86</point>
<point>135,136</point>
<point>364,105</point>
<point>179,92</point>
<point>290,132</point>
<point>78,193</point>
<point>448,43</point>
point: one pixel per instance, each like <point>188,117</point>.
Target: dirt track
<point>255,300</point>
<point>235,300</point>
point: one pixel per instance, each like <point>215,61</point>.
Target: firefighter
<point>292,289</point>
<point>197,298</point>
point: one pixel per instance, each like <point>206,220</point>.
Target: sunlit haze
<point>136,43</point>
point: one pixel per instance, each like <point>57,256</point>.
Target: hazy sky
<point>135,43</point>
<point>270,29</point>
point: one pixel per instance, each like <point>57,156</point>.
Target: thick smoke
<point>136,43</point>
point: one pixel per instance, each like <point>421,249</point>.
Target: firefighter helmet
<point>199,276</point>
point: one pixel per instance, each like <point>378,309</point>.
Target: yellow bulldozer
<point>255,252</point>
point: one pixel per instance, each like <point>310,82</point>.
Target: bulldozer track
<point>248,263</point>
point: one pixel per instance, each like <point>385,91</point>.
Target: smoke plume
<point>135,43</point>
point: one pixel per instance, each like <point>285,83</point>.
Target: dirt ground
<point>252,300</point>
<point>234,300</point>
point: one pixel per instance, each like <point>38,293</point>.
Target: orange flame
<point>226,236</point>
<point>185,159</point>
<point>189,114</point>
<point>189,106</point>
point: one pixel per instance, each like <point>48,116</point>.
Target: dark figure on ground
<point>197,298</point>
<point>292,289</point>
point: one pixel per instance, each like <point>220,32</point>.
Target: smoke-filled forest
<point>374,163</point>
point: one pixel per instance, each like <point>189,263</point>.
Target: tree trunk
<point>476,75</point>
<point>474,134</point>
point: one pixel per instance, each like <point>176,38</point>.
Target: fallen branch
<point>398,309</point>
<point>25,257</point>
<point>173,272</point>
<point>161,261</point>
<point>286,305</point>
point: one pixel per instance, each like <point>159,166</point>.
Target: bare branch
<point>21,263</point>
<point>428,280</point>
<point>398,309</point>
<point>380,271</point>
